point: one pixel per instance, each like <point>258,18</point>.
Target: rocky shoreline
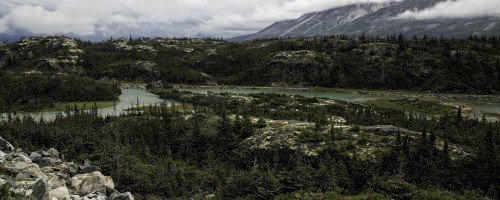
<point>45,175</point>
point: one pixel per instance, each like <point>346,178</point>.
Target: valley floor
<point>273,146</point>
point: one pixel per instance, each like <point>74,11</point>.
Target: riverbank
<point>129,98</point>
<point>385,93</point>
<point>473,106</point>
<point>422,106</point>
<point>85,105</point>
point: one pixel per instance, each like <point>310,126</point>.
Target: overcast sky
<point>218,18</point>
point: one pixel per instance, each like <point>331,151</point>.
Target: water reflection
<point>128,98</point>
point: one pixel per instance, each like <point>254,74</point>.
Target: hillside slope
<point>466,65</point>
<point>377,19</point>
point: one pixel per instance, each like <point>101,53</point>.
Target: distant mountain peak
<point>376,19</point>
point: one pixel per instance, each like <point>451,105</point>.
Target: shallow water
<point>128,98</point>
<point>490,110</point>
<point>319,94</point>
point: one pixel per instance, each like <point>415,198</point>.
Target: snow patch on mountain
<point>377,19</point>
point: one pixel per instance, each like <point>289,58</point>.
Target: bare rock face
<point>41,189</point>
<point>59,193</point>
<point>2,157</point>
<point>5,145</point>
<point>92,182</point>
<point>53,153</point>
<point>35,155</point>
<point>46,161</point>
<point>21,157</point>
<point>121,196</point>
<point>44,175</point>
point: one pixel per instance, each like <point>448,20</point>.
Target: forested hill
<point>255,146</point>
<point>465,65</point>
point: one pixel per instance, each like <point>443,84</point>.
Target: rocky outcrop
<point>370,143</point>
<point>59,193</point>
<point>121,196</point>
<point>283,135</point>
<point>90,183</point>
<point>5,145</point>
<point>41,189</point>
<point>390,129</point>
<point>44,175</point>
<point>297,68</point>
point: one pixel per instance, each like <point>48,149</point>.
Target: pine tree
<point>343,176</point>
<point>225,138</point>
<point>431,145</point>
<point>333,134</point>
<point>317,125</point>
<point>237,126</point>
<point>268,185</point>
<point>459,117</point>
<point>446,153</point>
<point>406,146</point>
<point>489,148</point>
<point>197,120</point>
<point>402,165</point>
<point>224,125</point>
<point>246,127</point>
<point>261,123</point>
<point>326,175</point>
<point>75,109</point>
<point>398,139</point>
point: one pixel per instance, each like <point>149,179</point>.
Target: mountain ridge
<point>375,19</point>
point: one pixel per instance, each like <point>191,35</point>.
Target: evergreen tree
<point>459,117</point>
<point>343,176</point>
<point>446,153</point>
<point>247,129</point>
<point>261,123</point>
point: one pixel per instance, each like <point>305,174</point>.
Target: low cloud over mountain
<point>456,9</point>
<point>216,18</point>
<point>90,18</point>
<point>410,17</point>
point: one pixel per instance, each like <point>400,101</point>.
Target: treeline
<point>458,65</point>
<point>193,150</point>
<point>28,92</point>
<point>466,65</point>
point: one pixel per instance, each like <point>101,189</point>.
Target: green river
<point>129,97</point>
<point>490,110</point>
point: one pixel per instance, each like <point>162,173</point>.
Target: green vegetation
<point>168,93</point>
<point>30,92</point>
<point>268,146</point>
<point>459,65</point>
<point>6,194</point>
<point>330,196</point>
<point>87,105</point>
<point>422,106</point>
<point>157,108</point>
<point>262,146</point>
